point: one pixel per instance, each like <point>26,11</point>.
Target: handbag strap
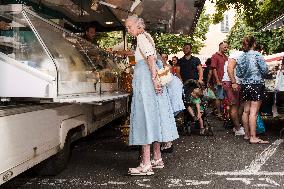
<point>150,41</point>
<point>153,44</point>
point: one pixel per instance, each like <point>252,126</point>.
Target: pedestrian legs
<point>245,119</point>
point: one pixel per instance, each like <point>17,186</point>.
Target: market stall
<point>271,105</point>
<point>42,60</point>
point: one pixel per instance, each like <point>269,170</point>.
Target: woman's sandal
<point>141,170</point>
<point>246,137</point>
<point>259,141</point>
<point>202,132</point>
<point>157,164</point>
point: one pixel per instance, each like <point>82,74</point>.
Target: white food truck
<point>56,87</point>
<point>51,92</point>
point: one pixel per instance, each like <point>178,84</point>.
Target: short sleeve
<point>262,64</point>
<point>145,46</point>
<point>198,62</point>
<point>235,55</point>
<point>214,61</point>
<point>179,62</point>
<point>197,101</point>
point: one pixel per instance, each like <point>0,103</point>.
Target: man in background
<point>217,65</point>
<point>189,67</point>
<point>90,34</point>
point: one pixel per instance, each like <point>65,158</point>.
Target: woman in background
<point>251,69</point>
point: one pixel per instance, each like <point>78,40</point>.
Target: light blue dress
<point>151,117</point>
<point>175,90</point>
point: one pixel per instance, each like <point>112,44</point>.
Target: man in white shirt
<point>233,94</point>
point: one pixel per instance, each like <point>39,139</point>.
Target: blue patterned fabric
<point>175,90</point>
<point>251,68</point>
<point>151,117</point>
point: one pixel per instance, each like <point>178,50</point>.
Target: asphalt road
<point>222,161</point>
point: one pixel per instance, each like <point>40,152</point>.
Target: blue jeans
<point>219,92</point>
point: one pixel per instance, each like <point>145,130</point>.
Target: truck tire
<point>56,163</point>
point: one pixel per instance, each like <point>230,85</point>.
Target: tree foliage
<point>166,42</point>
<point>257,13</point>
<point>271,41</point>
<point>252,16</point>
<point>109,39</point>
<point>173,43</point>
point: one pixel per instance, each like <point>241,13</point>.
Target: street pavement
<point>220,161</point>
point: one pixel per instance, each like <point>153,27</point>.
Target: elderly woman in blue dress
<point>151,119</point>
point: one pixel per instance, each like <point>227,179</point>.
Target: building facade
<point>217,32</point>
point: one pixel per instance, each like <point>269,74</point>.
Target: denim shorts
<point>219,92</point>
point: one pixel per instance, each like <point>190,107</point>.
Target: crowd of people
<point>238,78</point>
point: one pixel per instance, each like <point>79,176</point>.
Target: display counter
<point>39,59</point>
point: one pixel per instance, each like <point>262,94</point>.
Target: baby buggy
<point>189,121</point>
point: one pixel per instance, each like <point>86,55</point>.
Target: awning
<point>274,57</point>
<point>277,23</point>
<point>173,16</point>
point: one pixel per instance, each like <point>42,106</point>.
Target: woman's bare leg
<point>146,154</point>
<point>235,116</point>
<point>201,123</point>
<point>254,108</point>
<point>157,151</point>
<point>190,111</point>
<point>245,118</point>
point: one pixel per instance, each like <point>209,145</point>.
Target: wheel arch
<point>69,127</point>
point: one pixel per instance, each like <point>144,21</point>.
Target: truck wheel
<point>56,163</point>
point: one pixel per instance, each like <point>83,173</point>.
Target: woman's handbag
<point>260,128</point>
<point>164,76</point>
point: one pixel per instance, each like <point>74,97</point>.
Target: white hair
<point>139,21</point>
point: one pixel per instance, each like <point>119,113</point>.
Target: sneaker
<point>240,132</point>
<point>241,127</point>
<point>202,132</point>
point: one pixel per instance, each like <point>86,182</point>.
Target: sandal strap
<point>141,169</point>
<point>157,163</point>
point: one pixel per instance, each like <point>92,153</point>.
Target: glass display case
<point>52,62</point>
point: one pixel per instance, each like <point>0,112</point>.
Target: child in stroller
<point>196,108</point>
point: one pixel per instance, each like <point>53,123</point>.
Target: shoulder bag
<point>164,75</point>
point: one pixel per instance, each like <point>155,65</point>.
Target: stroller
<point>189,121</point>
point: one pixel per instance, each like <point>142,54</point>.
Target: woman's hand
<point>201,82</point>
<point>235,86</point>
<point>199,115</point>
<point>157,87</point>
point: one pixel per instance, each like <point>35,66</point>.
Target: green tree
<point>257,13</point>
<point>271,41</point>
<point>109,39</point>
<point>173,43</point>
<point>252,16</point>
<point>165,42</point>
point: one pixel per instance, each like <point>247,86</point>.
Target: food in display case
<point>38,47</point>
